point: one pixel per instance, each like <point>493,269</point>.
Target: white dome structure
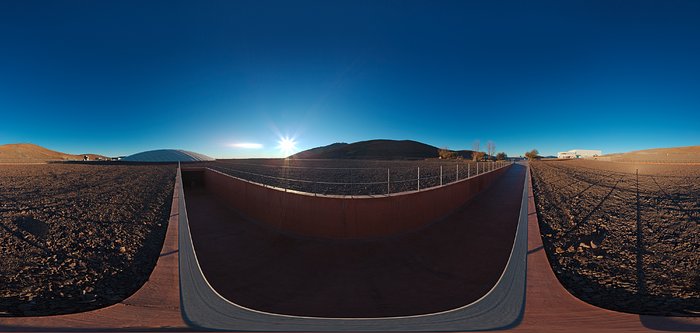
<point>167,155</point>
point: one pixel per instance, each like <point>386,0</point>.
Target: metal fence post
<point>469,170</point>
<point>388,186</point>
<point>441,175</point>
<point>418,178</point>
<point>457,178</point>
<point>477,168</point>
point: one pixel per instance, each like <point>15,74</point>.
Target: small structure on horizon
<point>579,153</point>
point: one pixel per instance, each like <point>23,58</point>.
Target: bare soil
<point>79,237</point>
<point>31,153</point>
<point>619,240</point>
<point>690,155</point>
<point>349,177</point>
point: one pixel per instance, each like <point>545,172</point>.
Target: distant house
<point>579,153</point>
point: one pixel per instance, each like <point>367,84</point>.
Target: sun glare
<point>287,145</point>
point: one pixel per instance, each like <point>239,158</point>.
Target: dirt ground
<point>621,241</point>
<point>349,177</point>
<point>79,237</point>
<point>690,155</point>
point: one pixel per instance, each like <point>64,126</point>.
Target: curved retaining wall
<point>343,216</point>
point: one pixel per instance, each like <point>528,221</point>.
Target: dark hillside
<point>373,150</point>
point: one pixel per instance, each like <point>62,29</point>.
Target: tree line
<point>476,154</point>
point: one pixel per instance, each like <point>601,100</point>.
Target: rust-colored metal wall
<point>344,216</point>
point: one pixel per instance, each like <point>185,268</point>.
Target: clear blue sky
<point>119,77</point>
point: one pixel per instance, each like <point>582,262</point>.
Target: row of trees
<point>477,154</point>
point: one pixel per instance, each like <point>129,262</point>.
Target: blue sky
<point>119,77</point>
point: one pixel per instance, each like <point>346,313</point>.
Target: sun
<point>287,145</point>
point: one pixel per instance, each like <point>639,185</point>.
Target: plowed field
<point>79,237</point>
<point>623,236</point>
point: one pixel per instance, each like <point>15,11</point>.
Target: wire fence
<point>358,180</point>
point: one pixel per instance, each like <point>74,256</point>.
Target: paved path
<point>443,267</point>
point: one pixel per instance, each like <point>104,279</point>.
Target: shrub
<point>532,154</point>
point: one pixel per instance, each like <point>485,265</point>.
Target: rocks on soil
<point>58,226</point>
<point>619,241</point>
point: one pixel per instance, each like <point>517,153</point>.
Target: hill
<point>689,154</point>
<point>375,150</point>
<point>27,152</point>
<point>319,151</point>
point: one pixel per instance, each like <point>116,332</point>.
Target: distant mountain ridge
<point>379,149</point>
<point>29,152</point>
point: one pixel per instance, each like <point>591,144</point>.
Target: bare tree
<point>475,146</point>
<point>477,156</point>
<point>490,148</point>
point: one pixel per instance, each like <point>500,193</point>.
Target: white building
<point>580,153</point>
